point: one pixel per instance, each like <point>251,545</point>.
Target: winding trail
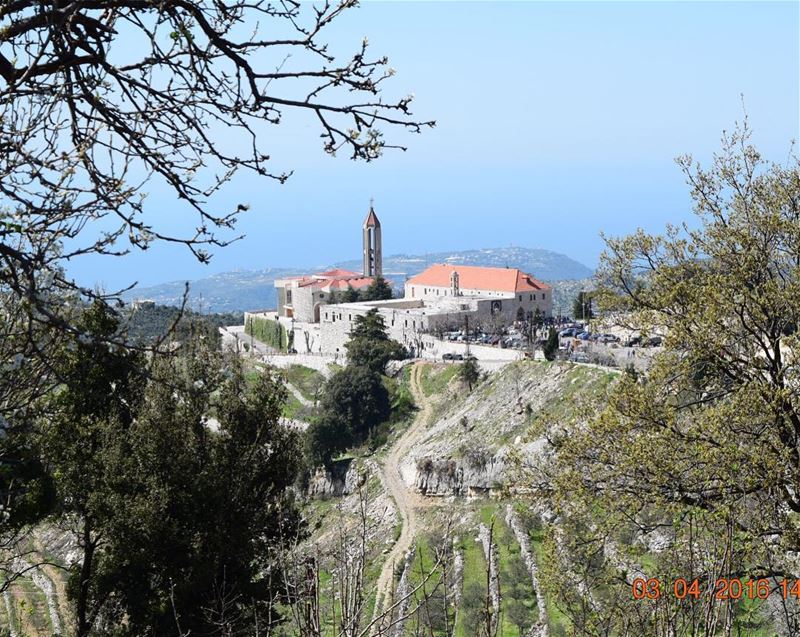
<point>407,501</point>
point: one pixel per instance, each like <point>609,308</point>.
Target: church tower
<point>372,244</point>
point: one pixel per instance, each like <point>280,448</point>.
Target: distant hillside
<point>543,264</point>
<point>244,290</point>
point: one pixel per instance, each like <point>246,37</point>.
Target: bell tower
<point>373,266</point>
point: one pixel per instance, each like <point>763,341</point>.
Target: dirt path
<point>406,500</point>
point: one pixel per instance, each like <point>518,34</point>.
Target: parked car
<point>584,336</point>
<point>633,341</point>
<point>607,338</point>
<point>579,357</point>
<point>448,356</point>
<point>654,341</point>
<point>458,357</point>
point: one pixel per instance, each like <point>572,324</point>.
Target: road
<point>407,501</point>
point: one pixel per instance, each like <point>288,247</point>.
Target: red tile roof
<point>338,274</point>
<point>472,277</point>
<point>336,284</point>
<point>372,219</point>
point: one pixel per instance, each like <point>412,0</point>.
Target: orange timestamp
<point>724,589</point>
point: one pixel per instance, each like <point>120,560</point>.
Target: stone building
<point>302,297</point>
<point>513,294</point>
<point>442,298</point>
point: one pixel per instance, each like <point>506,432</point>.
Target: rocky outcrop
<point>343,478</point>
<point>457,477</point>
<point>477,473</point>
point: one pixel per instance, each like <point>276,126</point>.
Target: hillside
<point>245,290</point>
<point>458,449</point>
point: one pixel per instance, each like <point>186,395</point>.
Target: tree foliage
<point>378,290</point>
<point>551,345</point>
<point>177,519</point>
<point>370,346</point>
<point>469,372</point>
<point>350,295</point>
<point>354,402</point>
<point>582,309</point>
<point>701,450</point>
<point>267,331</point>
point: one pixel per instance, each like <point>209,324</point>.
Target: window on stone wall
<point>542,296</point>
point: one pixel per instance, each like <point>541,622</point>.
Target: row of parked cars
<point>512,339</point>
<point>449,356</point>
<point>585,335</point>
<point>581,333</point>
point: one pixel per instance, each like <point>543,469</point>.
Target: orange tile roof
<point>336,284</point>
<point>338,274</point>
<point>472,277</point>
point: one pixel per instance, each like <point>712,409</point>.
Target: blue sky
<point>554,121</point>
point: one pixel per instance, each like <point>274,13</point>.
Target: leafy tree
<point>519,615</point>
<point>175,520</point>
<point>582,306</point>
<point>469,372</point>
<point>370,346</point>
<point>551,345</point>
<point>350,295</point>
<point>358,396</point>
<point>90,413</point>
<point>327,435</point>
<point>701,445</point>
<point>378,290</point>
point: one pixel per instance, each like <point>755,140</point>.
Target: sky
<point>555,122</point>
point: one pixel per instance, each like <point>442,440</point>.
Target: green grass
<point>308,381</point>
<point>579,385</point>
<point>31,610</point>
<point>293,408</point>
<point>474,571</point>
<point>434,379</point>
<point>509,558</point>
<point>554,615</point>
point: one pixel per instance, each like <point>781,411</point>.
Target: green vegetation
<point>582,307</point>
<point>165,509</point>
<point>551,345</point>
<point>469,372</point>
<point>267,331</point>
<point>518,609</point>
<point>356,400</point>
<point>435,379</point>
<point>369,345</point>
<point>147,323</point>
<point>309,382</point>
<point>378,290</point>
<point>701,444</point>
